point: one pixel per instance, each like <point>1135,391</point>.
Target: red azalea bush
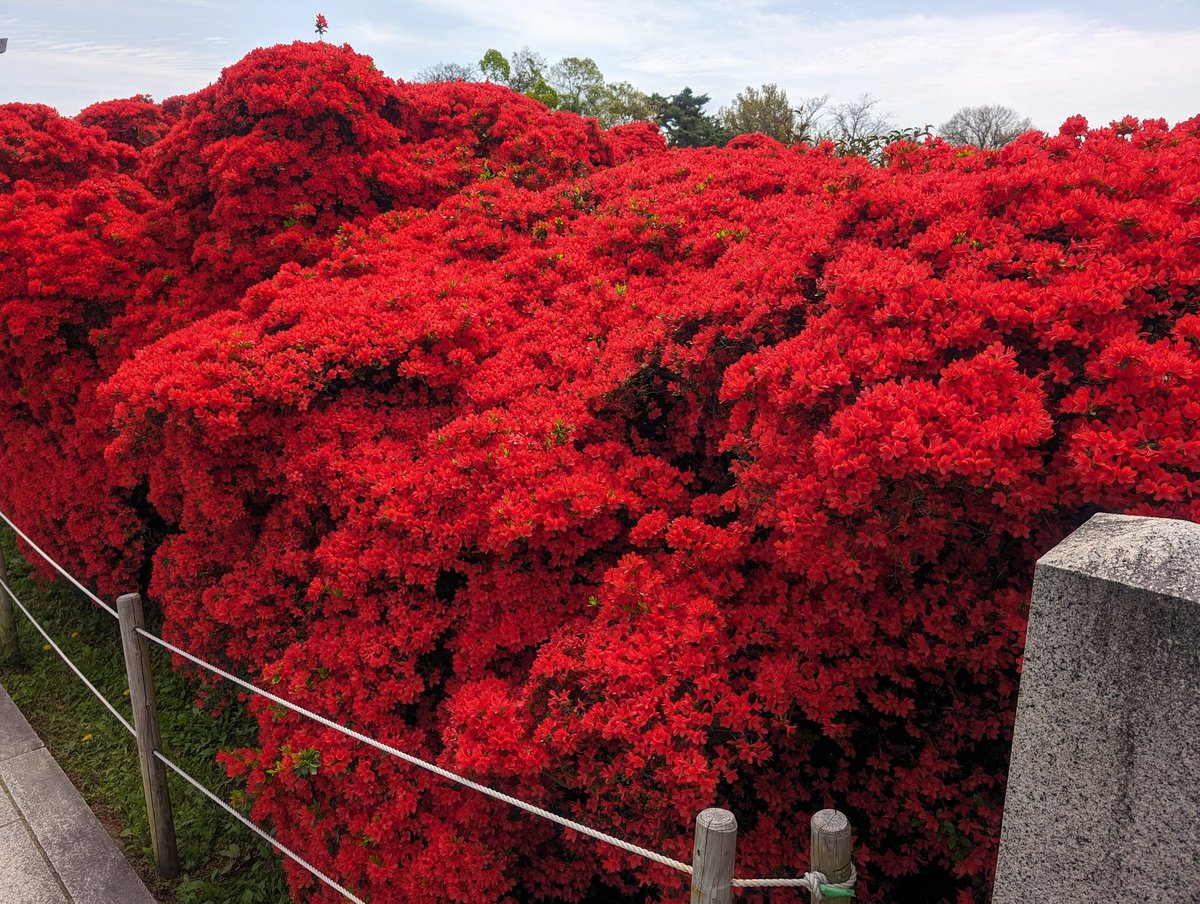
<point>116,235</point>
<point>265,166</point>
<point>39,146</point>
<point>74,251</point>
<point>136,121</point>
<point>629,481</point>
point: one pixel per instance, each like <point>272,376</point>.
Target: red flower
<point>629,480</point>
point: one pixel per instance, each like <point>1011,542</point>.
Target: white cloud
<point>1047,65</point>
<point>71,75</point>
<point>362,34</point>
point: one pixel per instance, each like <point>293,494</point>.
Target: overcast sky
<point>922,60</point>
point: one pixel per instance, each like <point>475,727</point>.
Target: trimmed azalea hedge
<point>625,479</point>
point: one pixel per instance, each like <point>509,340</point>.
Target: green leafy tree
<point>529,72</point>
<point>622,103</point>
<point>684,122</point>
<point>525,73</point>
<point>582,89</point>
<point>579,83</point>
<point>495,67</point>
<point>766,110</point>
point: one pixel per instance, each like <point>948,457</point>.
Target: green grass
<point>223,862</point>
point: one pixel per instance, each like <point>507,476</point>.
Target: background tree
<point>574,84</point>
<point>852,123</point>
<point>579,83</point>
<point>987,126</point>
<point>495,67</point>
<point>684,122</point>
<point>858,129</point>
<point>766,110</point>
<point>808,115</point>
<point>525,73</point>
<point>449,72</point>
<point>621,103</point>
<point>529,76</point>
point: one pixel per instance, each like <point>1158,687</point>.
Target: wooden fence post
<point>149,739</point>
<point>10,647</point>
<point>712,857</point>
<point>830,854</point>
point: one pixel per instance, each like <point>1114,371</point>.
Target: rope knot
<point>822,889</point>
<point>813,882</point>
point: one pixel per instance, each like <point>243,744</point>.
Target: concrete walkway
<point>53,850</point>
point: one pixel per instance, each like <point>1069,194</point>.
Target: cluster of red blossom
<point>627,480</point>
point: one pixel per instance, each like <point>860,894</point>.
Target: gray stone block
<point>25,878</point>
<point>8,813</point>
<point>16,737</point>
<point>1104,780</point>
<point>88,863</point>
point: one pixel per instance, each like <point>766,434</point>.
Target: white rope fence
<point>74,668</point>
<point>811,881</point>
<point>66,574</point>
<point>815,882</point>
<point>286,851</point>
<point>423,764</point>
<point>171,765</point>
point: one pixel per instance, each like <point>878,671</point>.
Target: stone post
<point>1103,797</point>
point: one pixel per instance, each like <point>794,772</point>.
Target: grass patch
<point>223,862</point>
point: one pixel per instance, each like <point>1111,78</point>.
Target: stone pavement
<point>53,850</point>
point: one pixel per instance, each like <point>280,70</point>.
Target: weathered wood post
<point>149,739</point>
<point>712,857</point>
<point>829,851</point>
<point>10,647</point>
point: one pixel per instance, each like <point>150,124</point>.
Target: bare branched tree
<point>854,121</point>
<point>808,117</point>
<point>987,126</point>
<point>449,72</point>
<point>529,72</point>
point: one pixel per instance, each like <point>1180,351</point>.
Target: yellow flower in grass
<point>46,647</point>
<point>87,737</point>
